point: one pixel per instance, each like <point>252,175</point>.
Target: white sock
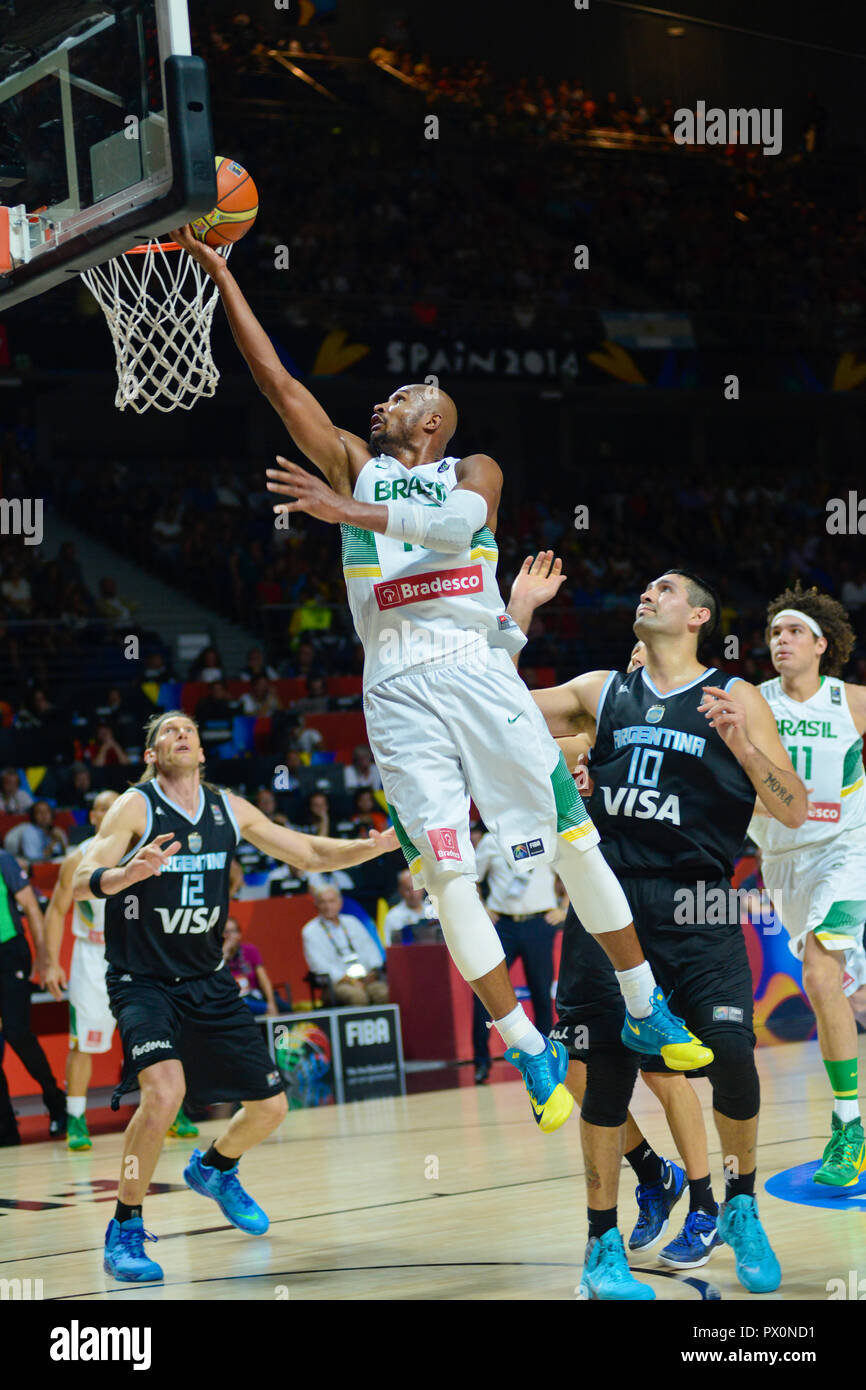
<point>847,1110</point>
<point>516,1030</point>
<point>637,986</point>
<point>76,1106</point>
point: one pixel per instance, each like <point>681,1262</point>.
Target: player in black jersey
<point>161,859</point>
<point>679,757</point>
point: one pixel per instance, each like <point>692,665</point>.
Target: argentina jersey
<point>170,926</point>
<point>669,798</point>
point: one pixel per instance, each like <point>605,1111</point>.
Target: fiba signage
<point>371,1052</point>
<point>338,1054</point>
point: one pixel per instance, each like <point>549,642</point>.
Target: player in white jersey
<point>816,874</point>
<point>91,1024</point>
<point>447,715</point>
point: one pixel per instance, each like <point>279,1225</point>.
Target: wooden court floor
<point>446,1195</point>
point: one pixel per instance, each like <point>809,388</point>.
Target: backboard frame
<point>64,245</point>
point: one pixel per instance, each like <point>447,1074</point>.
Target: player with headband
<point>816,872</point>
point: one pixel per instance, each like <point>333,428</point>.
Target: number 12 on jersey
<point>192,891</point>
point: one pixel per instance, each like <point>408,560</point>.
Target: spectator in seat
<point>80,790</point>
<point>13,797</point>
<point>156,668</point>
<point>304,739</point>
<point>112,606</point>
<point>362,771</point>
<point>207,666</point>
<point>267,804</point>
<point>215,714</point>
<point>339,946</point>
<point>367,815</point>
<point>105,751</point>
<point>261,701</point>
<point>249,974</point>
<point>413,910</point>
<point>256,665</point>
<point>316,699</point>
<point>318,814</point>
<point>38,838</point>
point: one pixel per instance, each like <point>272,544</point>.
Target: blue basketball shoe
<point>655,1205</point>
<point>124,1256</point>
<point>606,1274</point>
<point>758,1269</point>
<point>662,1034</point>
<point>236,1205</point>
<point>543,1076</point>
<point>695,1243</point>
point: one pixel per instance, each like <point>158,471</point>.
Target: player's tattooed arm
<point>338,454</point>
<point>123,825</point>
<point>742,717</point>
<point>306,853</point>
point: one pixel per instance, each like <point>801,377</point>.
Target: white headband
<point>801,617</point>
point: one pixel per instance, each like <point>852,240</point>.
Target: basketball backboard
<point>105,134</point>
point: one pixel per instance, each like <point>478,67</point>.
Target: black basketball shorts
<point>703,968</point>
<point>204,1024</point>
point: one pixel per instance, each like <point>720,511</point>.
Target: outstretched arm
<point>330,449</point>
<point>448,528</point>
<point>309,853</point>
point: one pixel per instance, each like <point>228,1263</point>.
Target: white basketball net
<point>159,307</point>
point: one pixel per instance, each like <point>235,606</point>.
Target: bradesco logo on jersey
<point>825,810</point>
<point>416,588</point>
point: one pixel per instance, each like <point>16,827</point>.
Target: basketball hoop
<point>159,305</point>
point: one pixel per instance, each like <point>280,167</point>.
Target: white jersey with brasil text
<point>827,753</point>
<point>88,917</point>
<point>413,606</point>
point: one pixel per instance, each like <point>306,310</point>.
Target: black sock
<point>701,1196</point>
<point>214,1159</point>
<point>647,1165</point>
<point>743,1186</point>
<point>124,1213</point>
<point>600,1221</point>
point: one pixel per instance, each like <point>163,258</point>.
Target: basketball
<point>236,207</point>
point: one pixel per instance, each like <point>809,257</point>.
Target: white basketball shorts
<point>91,1022</point>
<point>822,890</point>
<point>455,731</point>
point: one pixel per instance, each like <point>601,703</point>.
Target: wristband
<point>94,883</point>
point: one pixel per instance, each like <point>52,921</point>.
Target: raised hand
<point>726,712</point>
<point>311,495</point>
<point>539,580</point>
<point>151,859</point>
<point>206,256</point>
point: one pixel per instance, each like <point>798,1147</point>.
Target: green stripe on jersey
<point>484,539</point>
<point>359,547</point>
<point>843,914</point>
<point>852,768</point>
<point>570,810</point>
<point>409,850</point>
